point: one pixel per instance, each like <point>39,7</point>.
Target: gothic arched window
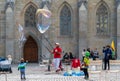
<point>65,21</point>
<point>30,17</point>
<point>102,20</point>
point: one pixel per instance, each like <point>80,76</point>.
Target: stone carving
<point>10,3</point>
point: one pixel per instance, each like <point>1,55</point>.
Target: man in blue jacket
<point>107,56</point>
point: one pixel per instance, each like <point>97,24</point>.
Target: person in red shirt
<point>75,63</point>
<point>57,51</point>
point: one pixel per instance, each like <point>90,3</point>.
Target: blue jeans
<point>22,73</point>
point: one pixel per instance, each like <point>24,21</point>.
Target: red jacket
<point>76,63</point>
<point>57,52</point>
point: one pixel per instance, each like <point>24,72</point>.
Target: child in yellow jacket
<point>86,63</point>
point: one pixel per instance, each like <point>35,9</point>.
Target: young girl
<point>86,63</point>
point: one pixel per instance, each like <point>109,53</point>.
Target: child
<point>86,63</point>
<point>21,67</point>
<point>9,58</point>
<point>75,63</point>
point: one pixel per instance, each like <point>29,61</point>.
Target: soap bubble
<point>43,19</point>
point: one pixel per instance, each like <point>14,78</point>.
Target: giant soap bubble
<point>43,19</point>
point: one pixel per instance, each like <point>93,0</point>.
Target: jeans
<point>56,62</point>
<point>22,73</point>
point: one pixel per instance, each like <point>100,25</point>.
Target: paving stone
<point>36,73</point>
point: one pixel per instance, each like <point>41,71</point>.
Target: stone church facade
<point>75,24</point>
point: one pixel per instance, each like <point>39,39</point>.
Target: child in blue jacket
<point>21,67</point>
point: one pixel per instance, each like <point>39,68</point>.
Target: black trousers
<point>85,70</point>
<point>106,62</point>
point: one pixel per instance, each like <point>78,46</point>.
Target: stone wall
<point>94,40</point>
<point>69,44</point>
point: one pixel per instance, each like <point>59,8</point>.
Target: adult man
<point>57,51</point>
<point>107,56</point>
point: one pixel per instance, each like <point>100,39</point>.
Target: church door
<point>31,50</point>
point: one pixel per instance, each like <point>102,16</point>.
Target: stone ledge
<point>99,62</point>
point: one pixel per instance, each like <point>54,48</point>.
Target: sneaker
<point>86,78</point>
<point>57,70</point>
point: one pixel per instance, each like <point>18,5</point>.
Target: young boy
<point>21,67</point>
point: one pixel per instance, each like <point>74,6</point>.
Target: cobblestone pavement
<point>35,72</point>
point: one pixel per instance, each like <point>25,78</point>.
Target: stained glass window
<point>102,20</point>
<point>65,21</point>
<point>30,17</point>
